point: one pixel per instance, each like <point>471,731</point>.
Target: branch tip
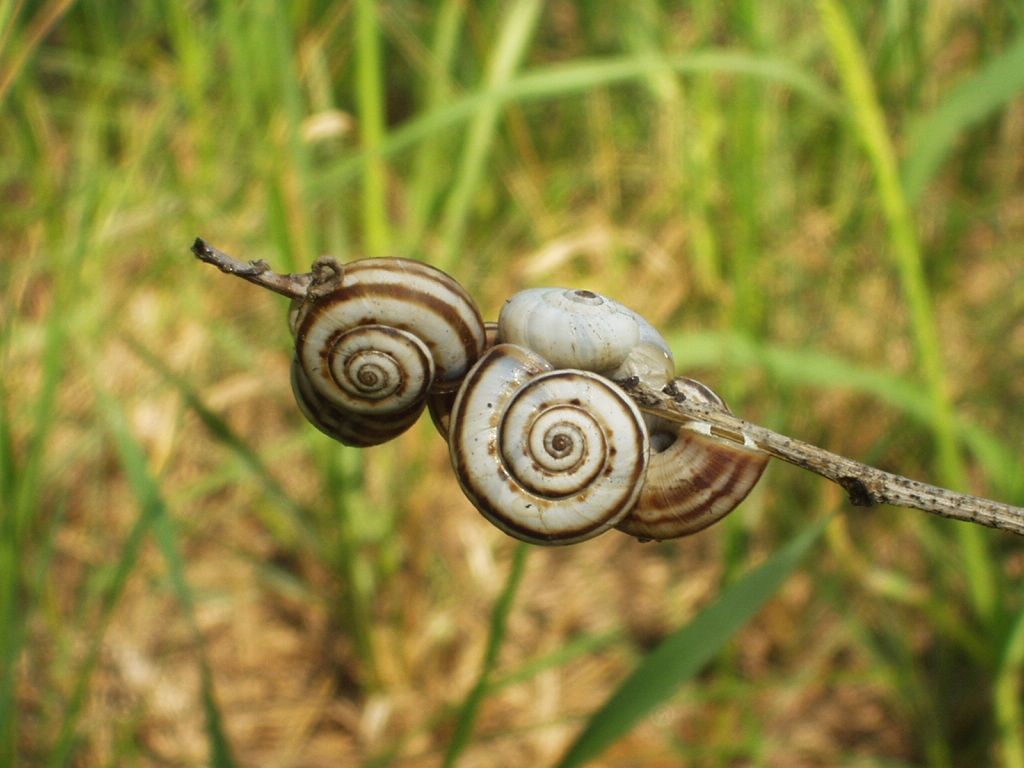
<point>258,271</point>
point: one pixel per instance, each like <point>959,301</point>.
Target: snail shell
<point>373,339</point>
<point>549,456</point>
<point>348,427</point>
<point>574,328</point>
<point>440,404</point>
<point>694,478</point>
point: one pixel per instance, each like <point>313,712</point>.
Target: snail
<point>543,439</point>
<point>723,456</point>
<point>689,478</point>
<point>574,328</point>
<point>550,456</point>
<point>694,479</point>
<point>581,329</point>
<point>373,339</point>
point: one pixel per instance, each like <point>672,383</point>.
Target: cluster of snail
<point>542,439</point>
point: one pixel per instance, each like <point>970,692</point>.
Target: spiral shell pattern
<point>694,478</point>
<point>349,427</point>
<point>372,343</point>
<point>549,456</point>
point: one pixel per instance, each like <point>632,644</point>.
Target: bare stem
<point>865,485</point>
<point>258,272</point>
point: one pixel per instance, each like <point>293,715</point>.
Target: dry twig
<point>258,272</point>
<point>865,485</point>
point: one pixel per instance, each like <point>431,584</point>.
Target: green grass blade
<point>154,511</point>
<point>869,122</point>
<point>343,476</point>
<point>499,625</point>
<point>745,169</point>
<point>30,472</point>
<point>580,76</point>
<point>7,15</point>
<point>371,126</point>
<point>13,63</point>
<point>65,742</point>
<point>8,461</point>
<point>680,657</point>
<point>24,486</point>
<point>223,433</point>
<point>870,125</point>
<point>344,472</point>
<point>145,486</point>
<point>516,31</point>
<point>11,621</point>
<point>1009,693</point>
<point>429,173</point>
<point>933,136</point>
<point>12,638</point>
<point>220,748</point>
<point>585,645</point>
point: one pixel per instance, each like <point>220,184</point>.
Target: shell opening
<point>662,440</point>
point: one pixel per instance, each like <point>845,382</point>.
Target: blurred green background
<point>821,205</point>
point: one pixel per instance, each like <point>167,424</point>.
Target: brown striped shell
<point>694,478</point>
<point>373,339</point>
<point>549,456</point>
<point>440,404</point>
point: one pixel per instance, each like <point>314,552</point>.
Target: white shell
<point>548,456</point>
<point>374,340</point>
<point>694,479</point>
<point>651,362</point>
<point>579,329</point>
